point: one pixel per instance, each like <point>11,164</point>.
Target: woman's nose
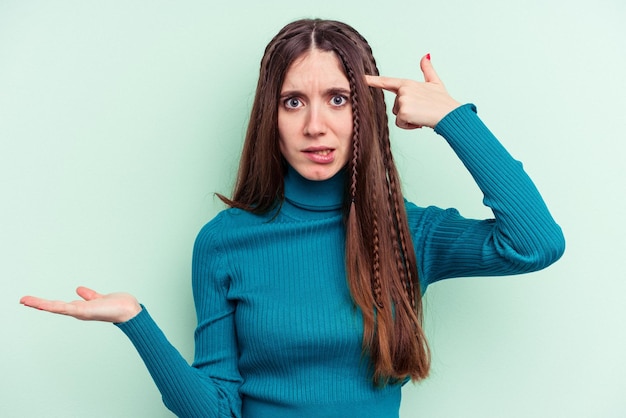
<point>315,124</point>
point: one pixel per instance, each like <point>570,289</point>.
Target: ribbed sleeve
<point>210,387</point>
<point>522,237</point>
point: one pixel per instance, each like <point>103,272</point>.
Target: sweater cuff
<point>455,118</point>
<point>136,325</point>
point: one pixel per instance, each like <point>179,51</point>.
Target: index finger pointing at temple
<point>386,83</point>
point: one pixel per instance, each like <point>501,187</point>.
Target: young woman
<point>308,288</point>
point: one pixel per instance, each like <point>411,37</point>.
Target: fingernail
<point>428,56</point>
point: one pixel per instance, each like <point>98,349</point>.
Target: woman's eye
<point>292,103</point>
<point>338,100</point>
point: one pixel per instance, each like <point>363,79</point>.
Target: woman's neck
<point>324,195</point>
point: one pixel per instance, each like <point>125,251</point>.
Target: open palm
<point>113,307</point>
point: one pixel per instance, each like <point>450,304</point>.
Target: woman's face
<point>315,116</point>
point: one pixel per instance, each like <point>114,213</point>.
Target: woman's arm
<point>522,237</point>
<point>208,388</point>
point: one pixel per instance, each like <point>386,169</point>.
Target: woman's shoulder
<point>230,220</point>
<point>415,212</point>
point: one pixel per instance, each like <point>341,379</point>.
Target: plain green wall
<point>119,119</point>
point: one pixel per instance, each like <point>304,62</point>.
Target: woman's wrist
<point>131,312</point>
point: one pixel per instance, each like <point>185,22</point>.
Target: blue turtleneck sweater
<point>278,335</point>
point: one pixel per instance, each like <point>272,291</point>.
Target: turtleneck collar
<point>319,196</point>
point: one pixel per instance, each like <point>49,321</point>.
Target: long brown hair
<point>380,261</point>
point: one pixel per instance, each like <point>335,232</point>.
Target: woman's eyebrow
<point>338,90</point>
<point>287,93</point>
<point>327,92</point>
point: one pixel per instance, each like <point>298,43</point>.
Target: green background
<point>120,119</point>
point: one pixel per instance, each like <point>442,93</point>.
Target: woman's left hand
<point>417,103</point>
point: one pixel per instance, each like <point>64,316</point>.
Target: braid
<point>376,282</point>
<point>401,249</point>
<point>356,125</point>
<point>370,55</point>
<point>353,164</point>
<point>400,238</point>
<point>375,277</point>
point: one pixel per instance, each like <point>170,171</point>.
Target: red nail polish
<point>428,56</point>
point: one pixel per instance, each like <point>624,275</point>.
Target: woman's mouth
<point>320,155</point>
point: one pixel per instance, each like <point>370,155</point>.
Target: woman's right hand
<point>417,103</point>
<point>114,307</point>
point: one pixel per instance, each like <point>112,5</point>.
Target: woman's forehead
<point>316,66</point>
